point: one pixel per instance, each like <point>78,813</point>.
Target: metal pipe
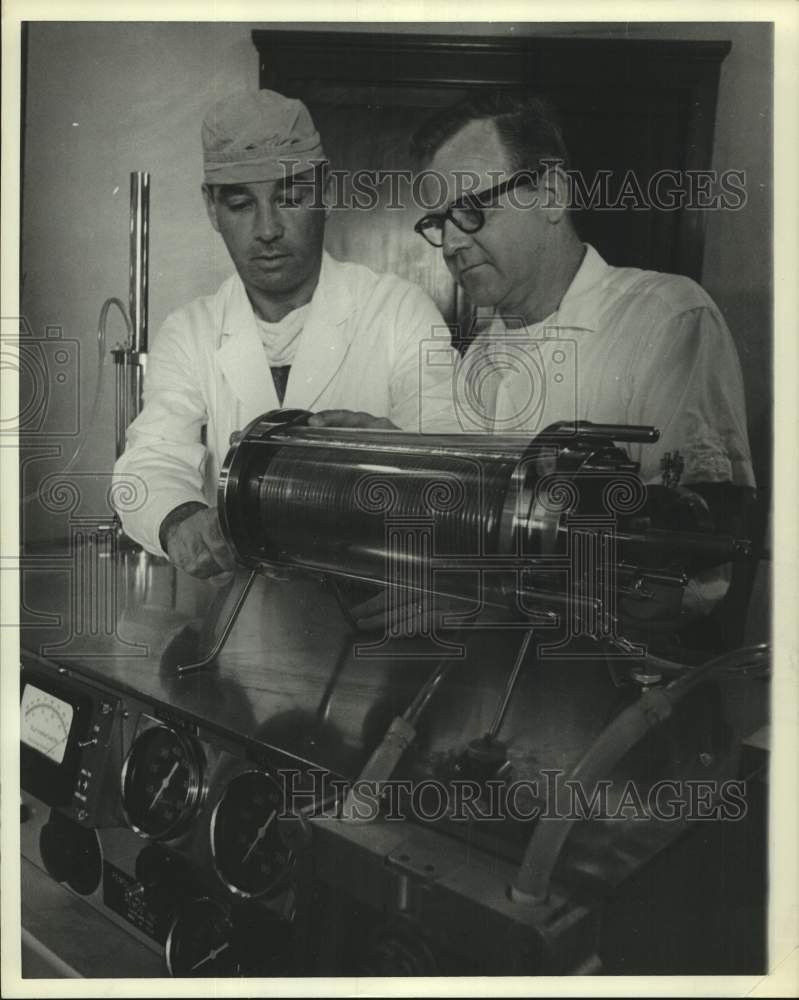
<point>641,433</point>
<point>510,684</point>
<point>131,357</point>
<point>121,396</point>
<point>139,257</point>
<point>721,547</point>
<point>532,881</point>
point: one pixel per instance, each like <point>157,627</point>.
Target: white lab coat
<point>371,342</point>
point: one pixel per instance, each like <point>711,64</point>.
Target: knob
<point>71,853</point>
<point>134,894</point>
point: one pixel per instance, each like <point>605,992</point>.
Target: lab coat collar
<point>325,340</point>
<point>322,348</point>
<point>578,309</point>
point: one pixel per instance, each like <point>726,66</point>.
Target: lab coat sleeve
<point>423,365</point>
<point>164,459</point>
<point>686,380</point>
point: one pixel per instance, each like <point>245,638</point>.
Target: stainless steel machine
<point>275,779</point>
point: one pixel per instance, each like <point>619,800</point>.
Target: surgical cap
<point>258,135</point>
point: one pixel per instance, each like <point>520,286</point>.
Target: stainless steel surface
<point>189,668</point>
<point>293,676</point>
<point>287,676</point>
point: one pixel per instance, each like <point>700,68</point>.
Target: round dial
<point>249,855</point>
<point>162,782</point>
<point>201,942</point>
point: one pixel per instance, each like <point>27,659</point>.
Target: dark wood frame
<point>689,69</point>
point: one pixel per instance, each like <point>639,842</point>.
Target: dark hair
<point>528,126</point>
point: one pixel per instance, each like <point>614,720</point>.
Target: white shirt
<point>625,346</point>
<point>281,339</point>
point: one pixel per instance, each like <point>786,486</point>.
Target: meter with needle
<point>45,722</point>
<point>162,782</point>
<point>201,942</point>
<point>249,854</point>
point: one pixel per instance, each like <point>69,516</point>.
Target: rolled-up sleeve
<point>164,458</point>
<point>686,380</point>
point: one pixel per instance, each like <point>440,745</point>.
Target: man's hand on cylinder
<point>350,418</point>
<point>197,546</point>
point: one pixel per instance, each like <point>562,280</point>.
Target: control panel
<point>66,733</point>
<point>167,828</point>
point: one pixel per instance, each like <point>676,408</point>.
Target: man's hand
<point>196,545</point>
<point>406,612</point>
<point>349,418</point>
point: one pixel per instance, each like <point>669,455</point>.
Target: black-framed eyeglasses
<point>468,212</point>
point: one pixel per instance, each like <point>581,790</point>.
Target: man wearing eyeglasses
<point>566,335</point>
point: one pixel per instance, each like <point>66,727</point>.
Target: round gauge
<point>201,942</point>
<point>249,854</point>
<point>162,782</point>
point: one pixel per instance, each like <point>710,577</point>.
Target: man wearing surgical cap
<point>293,327</point>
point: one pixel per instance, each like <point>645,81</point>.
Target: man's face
<point>273,231</point>
<point>497,265</point>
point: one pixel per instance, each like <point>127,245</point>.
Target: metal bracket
<point>191,668</point>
